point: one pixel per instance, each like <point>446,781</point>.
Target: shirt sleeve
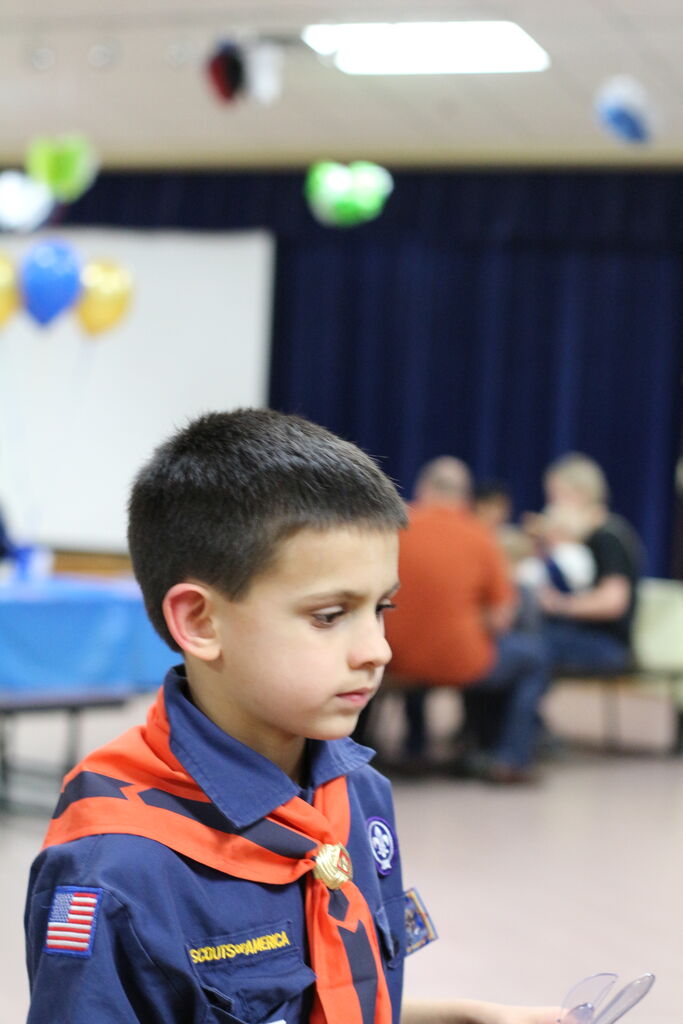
<point>611,557</point>
<point>116,982</point>
<point>499,589</point>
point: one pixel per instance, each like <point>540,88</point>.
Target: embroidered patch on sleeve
<point>383,844</point>
<point>419,926</point>
<point>72,919</point>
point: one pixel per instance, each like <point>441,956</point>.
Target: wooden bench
<point>616,693</point>
<point>657,671</point>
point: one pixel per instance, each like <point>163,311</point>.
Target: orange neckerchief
<point>136,786</point>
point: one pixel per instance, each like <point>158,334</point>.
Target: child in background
<point>563,561</point>
<point>235,859</point>
<point>492,504</point>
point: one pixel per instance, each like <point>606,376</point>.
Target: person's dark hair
<point>216,499</point>
<point>490,490</point>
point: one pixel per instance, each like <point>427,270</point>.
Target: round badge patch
<point>382,844</point>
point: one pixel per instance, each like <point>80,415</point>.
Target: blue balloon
<point>627,124</point>
<point>50,279</point>
<point>624,109</point>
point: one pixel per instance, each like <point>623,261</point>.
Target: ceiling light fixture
<point>42,57</point>
<point>103,54</point>
<point>179,53</point>
<point>428,48</point>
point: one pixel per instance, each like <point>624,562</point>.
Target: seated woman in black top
<point>589,630</point>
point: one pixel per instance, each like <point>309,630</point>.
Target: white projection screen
<point>79,414</point>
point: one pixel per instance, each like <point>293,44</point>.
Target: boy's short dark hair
<point>215,500</point>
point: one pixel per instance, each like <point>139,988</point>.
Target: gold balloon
<point>106,295</point>
<point>9,291</point>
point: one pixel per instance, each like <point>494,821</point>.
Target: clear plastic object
<point>585,1002</point>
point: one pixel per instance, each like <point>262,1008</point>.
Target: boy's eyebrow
<point>348,595</point>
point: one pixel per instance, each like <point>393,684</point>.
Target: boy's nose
<point>371,649</point>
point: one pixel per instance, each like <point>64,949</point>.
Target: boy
<point>235,859</point>
<point>492,504</point>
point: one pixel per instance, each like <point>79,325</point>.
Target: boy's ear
<point>189,613</point>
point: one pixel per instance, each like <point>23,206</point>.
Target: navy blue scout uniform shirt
<point>175,941</point>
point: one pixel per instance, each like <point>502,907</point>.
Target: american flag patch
<point>71,924</point>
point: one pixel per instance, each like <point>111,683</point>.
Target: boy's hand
<point>470,1011</point>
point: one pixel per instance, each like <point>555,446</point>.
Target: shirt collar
<point>244,785</point>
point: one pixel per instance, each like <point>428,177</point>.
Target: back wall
<point>80,414</point>
<point>502,317</point>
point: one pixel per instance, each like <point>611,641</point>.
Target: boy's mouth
<point>359,697</point>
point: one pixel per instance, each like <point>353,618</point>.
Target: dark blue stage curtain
<point>504,318</point>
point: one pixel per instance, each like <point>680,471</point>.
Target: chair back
<point>657,635</point>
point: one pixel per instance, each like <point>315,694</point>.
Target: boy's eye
<point>327,617</point>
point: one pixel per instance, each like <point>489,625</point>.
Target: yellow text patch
<point>249,947</point>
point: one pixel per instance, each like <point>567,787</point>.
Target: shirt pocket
<point>390,922</point>
<point>255,976</point>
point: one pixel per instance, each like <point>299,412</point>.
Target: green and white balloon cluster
<point>341,195</point>
<point>57,170</point>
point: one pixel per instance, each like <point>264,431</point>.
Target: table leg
<point>4,759</point>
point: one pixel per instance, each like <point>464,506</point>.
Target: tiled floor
<point>530,889</point>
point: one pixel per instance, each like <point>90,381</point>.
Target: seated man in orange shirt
<point>452,623</point>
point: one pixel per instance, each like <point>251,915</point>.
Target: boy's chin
<point>334,731</point>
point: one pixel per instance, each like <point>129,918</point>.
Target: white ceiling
<point>148,110</point>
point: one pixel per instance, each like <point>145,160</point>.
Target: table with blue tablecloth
<point>66,632</point>
<point>68,642</point>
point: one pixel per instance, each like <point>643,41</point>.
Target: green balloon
<point>342,196</point>
<point>372,186</point>
<point>66,164</point>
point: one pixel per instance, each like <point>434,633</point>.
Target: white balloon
<point>263,69</point>
<point>25,204</point>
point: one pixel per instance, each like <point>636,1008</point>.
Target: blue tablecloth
<point>64,633</point>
